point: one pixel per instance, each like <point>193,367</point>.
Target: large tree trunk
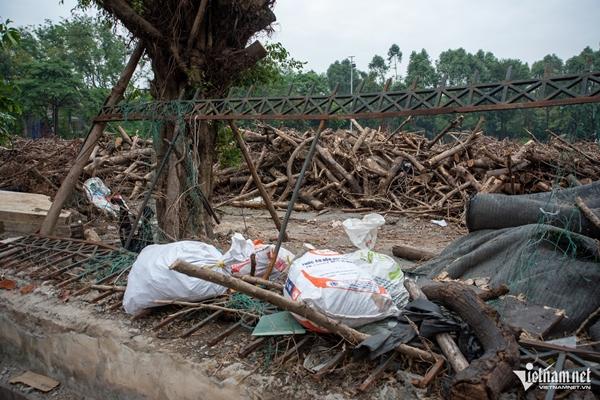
<point>193,44</point>
<point>179,211</point>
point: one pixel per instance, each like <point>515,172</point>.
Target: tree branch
<point>131,19</point>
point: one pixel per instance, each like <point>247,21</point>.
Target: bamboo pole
<point>444,340</point>
<point>257,181</point>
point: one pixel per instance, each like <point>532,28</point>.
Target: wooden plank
<point>36,381</point>
<point>532,318</point>
<point>25,212</point>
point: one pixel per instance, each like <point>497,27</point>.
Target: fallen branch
<point>349,334</point>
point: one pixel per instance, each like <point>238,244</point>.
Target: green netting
<point>171,115</point>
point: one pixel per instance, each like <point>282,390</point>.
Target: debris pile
<point>404,173</point>
<point>124,163</point>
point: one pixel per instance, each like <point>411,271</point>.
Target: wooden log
<point>334,165</point>
<point>453,150</point>
<point>124,135</point>
<point>263,193</point>
<point>351,335</point>
<point>254,192</point>
<point>412,253</point>
<point>589,214</point>
<point>491,374</point>
<point>261,158</point>
<point>449,347</point>
<point>462,171</point>
<point>505,171</point>
<point>307,198</point>
<point>260,282</point>
<point>570,146</point>
<point>205,306</point>
<point>118,159</point>
<point>261,206</point>
<point>64,192</point>
<point>452,125</point>
<point>361,138</point>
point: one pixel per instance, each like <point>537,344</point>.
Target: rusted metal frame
<point>64,269</point>
<point>251,347</point>
<point>89,286</point>
<point>85,259</point>
<point>455,98</point>
<point>23,257</point>
<point>520,92</point>
<point>293,351</point>
<point>439,91</point>
<point>48,263</point>
<point>34,255</point>
<point>227,332</point>
<point>377,372</point>
<point>53,261</point>
<point>561,90</point>
<point>487,96</point>
<point>332,363</point>
<point>173,317</point>
<point>505,84</point>
<point>495,106</point>
<point>200,324</point>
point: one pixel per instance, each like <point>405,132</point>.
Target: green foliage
<point>421,70</point>
<point>64,70</point>
<point>394,58</point>
<point>9,36</point>
<point>270,71</point>
<point>9,107</point>
<point>228,152</point>
<point>379,68</point>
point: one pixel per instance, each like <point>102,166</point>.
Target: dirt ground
<point>325,230</point>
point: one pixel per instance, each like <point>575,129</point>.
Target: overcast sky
<point>322,31</point>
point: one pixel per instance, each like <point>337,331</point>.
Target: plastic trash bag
<point>339,288</point>
<point>98,194</point>
<point>238,257</point>
<point>151,279</point>
<point>363,232</point>
<point>386,272</point>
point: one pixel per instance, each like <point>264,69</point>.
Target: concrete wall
<point>100,358</point>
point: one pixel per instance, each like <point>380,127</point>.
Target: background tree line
<point>55,77</point>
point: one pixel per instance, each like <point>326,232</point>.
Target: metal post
<point>290,208</point>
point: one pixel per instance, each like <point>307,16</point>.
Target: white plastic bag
<point>97,193</point>
<point>151,279</point>
<point>238,257</point>
<point>363,232</point>
<point>337,287</point>
<point>386,272</point>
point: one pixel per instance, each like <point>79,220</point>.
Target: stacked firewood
<point>124,163</point>
<point>403,173</point>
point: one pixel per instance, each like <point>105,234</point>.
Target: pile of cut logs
<point>124,163</point>
<point>403,173</point>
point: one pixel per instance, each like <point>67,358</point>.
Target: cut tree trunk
<point>491,374</point>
